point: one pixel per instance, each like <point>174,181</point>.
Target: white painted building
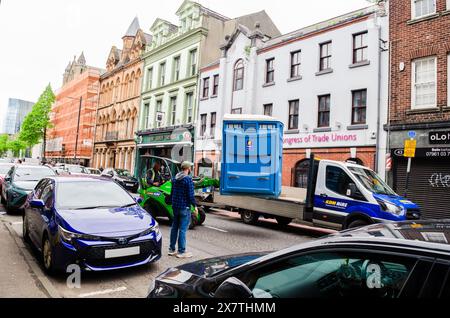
<point>327,82</point>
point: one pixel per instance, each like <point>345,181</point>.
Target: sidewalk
<point>16,277</point>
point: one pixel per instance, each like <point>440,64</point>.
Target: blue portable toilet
<point>252,154</point>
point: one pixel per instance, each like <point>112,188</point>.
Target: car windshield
<point>123,173</point>
<point>371,181</point>
<point>4,169</point>
<point>91,195</point>
<point>32,174</point>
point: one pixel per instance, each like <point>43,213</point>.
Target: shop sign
<point>442,152</point>
<point>439,138</point>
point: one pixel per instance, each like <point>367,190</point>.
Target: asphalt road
<point>222,234</point>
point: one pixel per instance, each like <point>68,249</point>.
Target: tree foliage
<point>37,121</point>
<point>3,144</point>
<point>16,145</point>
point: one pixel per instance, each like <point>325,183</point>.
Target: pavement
<point>222,234</point>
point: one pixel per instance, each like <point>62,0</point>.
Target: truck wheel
<point>193,223</point>
<point>249,217</point>
<point>282,221</point>
<point>202,216</point>
<point>356,224</point>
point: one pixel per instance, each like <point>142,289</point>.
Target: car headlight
<point>153,229</point>
<point>391,208</point>
<point>68,236</point>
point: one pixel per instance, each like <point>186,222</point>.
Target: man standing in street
<point>182,199</point>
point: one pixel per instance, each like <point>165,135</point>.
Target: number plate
<point>123,252</point>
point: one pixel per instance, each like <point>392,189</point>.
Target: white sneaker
<point>185,255</point>
<point>173,253</point>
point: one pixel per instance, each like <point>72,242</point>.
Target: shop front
<point>175,144</point>
<point>429,181</point>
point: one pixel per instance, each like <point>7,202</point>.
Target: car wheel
<point>25,232</point>
<point>356,224</point>
<point>282,221</point>
<point>249,217</point>
<point>47,255</point>
<point>202,216</point>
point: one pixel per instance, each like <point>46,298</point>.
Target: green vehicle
<point>155,199</point>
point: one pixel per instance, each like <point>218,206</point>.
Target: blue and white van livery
<point>339,195</point>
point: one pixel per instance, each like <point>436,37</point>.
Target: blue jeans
<point>180,225</point>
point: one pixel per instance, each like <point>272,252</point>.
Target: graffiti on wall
<point>440,180</point>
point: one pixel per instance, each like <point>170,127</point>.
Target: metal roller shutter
<point>429,185</point>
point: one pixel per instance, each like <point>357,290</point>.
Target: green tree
<point>3,144</point>
<point>16,146</point>
<point>37,121</point>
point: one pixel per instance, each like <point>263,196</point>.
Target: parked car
<point>94,171</point>
<point>76,170</point>
<point>91,222</point>
<point>4,169</point>
<point>19,182</point>
<point>396,260</point>
<point>123,177</point>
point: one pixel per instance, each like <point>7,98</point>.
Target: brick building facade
<point>71,137</point>
<point>419,100</point>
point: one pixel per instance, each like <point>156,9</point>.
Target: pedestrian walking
<point>182,198</point>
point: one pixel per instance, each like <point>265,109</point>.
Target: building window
<point>270,71</point>
<point>146,115</point>
<point>421,8</point>
<point>268,108</point>
<point>325,56</point>
<point>150,78</point>
<point>203,119</point>
<point>295,64</point>
<point>205,87</point>
<point>293,114</point>
<point>193,63</point>
<point>189,107</point>
<point>159,114</point>
<point>236,111</point>
<point>360,47</point>
<point>213,124</point>
<point>216,85</point>
<point>324,111</point>
<point>424,83</point>
<point>162,74</point>
<point>173,110</point>
<point>238,75</point>
<point>176,69</point>
<point>359,107</point>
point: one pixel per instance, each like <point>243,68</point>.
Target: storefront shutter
<point>429,185</point>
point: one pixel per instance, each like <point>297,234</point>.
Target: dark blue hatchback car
<point>91,222</point>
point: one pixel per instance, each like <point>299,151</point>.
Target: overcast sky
<point>39,38</point>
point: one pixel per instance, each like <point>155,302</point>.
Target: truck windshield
<point>371,181</point>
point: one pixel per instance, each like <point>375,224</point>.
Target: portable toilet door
<point>251,155</point>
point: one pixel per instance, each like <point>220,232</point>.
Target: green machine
<point>156,199</point>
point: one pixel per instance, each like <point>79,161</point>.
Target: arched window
<point>238,75</point>
<point>301,172</point>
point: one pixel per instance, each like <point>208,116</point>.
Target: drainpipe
<point>377,151</point>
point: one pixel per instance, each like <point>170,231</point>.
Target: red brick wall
<point>430,37</point>
<point>292,156</point>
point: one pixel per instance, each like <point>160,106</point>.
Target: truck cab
<point>347,195</point>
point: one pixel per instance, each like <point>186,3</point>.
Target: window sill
<point>423,110</point>
<point>322,129</point>
<point>269,84</point>
<point>359,64</point>
<point>294,79</point>
<point>424,18</point>
<point>323,72</point>
<point>214,96</point>
<point>292,132</point>
<point>358,127</point>
<point>446,12</point>
<point>204,98</point>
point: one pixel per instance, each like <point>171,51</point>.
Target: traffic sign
<point>412,134</point>
<point>410,148</point>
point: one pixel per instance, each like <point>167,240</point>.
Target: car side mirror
<point>37,204</point>
<point>138,200</point>
<point>8,179</point>
<point>233,288</point>
<point>352,190</point>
